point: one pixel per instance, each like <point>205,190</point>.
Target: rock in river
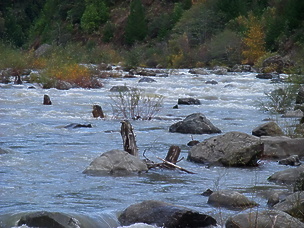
<point>164,215</point>
<point>230,199</point>
<point>263,219</point>
<point>230,149</point>
<point>196,123</point>
<point>115,162</point>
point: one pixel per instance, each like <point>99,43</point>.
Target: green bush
<point>96,13</point>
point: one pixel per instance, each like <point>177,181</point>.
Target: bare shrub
<point>136,104</point>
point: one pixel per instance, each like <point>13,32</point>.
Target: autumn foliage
<point>71,72</point>
<point>253,41</point>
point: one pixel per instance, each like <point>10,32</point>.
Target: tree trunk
<point>47,100</point>
<point>128,137</point>
<point>97,111</point>
<point>173,154</point>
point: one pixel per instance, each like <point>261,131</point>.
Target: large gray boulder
<point>230,149</point>
<point>115,162</point>
<point>293,205</point>
<point>230,199</point>
<point>195,123</point>
<point>282,147</point>
<point>263,219</point>
<point>164,215</point>
<point>288,176</point>
<point>268,129</point>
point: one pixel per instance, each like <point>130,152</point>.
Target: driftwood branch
<point>128,137</point>
<point>175,166</point>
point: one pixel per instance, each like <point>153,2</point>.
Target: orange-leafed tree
<point>253,41</point>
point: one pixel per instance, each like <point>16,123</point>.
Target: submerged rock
<point>120,89</point>
<point>230,149</point>
<point>196,123</point>
<point>230,199</point>
<point>164,215</point>
<point>116,162</point>
<point>188,101</point>
<point>263,219</point>
<point>76,125</point>
<point>146,79</point>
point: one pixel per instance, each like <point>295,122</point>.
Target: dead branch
<point>175,166</point>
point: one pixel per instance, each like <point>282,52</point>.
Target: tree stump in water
<point>47,100</point>
<point>128,138</point>
<point>97,111</point>
<point>173,154</point>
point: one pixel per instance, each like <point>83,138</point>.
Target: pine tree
<point>136,28</point>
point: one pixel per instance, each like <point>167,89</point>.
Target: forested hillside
<point>175,33</point>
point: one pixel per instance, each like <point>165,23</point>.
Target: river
<point>43,169</point>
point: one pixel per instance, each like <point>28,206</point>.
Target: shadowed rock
<point>188,101</point>
<point>164,215</point>
<point>230,199</point>
<point>76,125</point>
<point>196,123</point>
<point>291,160</point>
<point>268,129</point>
<point>48,220</point>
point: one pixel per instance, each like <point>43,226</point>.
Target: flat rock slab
<point>263,219</point>
<point>282,146</point>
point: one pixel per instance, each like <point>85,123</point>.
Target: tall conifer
<point>136,28</point>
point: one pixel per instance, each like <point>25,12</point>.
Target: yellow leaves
<point>253,41</point>
<point>71,72</point>
<point>177,59</point>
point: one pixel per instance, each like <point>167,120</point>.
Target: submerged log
<point>128,137</point>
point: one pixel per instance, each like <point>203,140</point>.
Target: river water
<point>43,169</point>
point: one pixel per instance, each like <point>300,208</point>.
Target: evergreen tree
<point>96,13</point>
<point>136,28</point>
